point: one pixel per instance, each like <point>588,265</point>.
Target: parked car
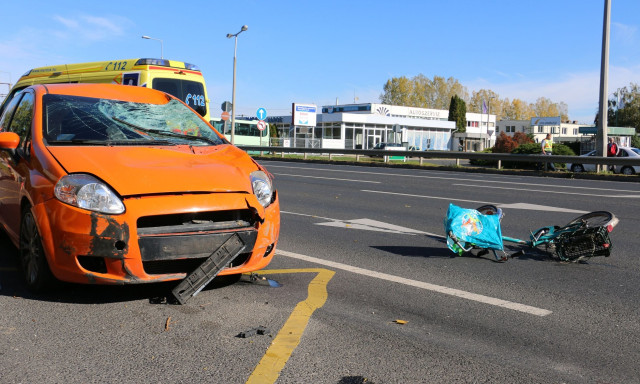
<point>622,152</point>
<point>579,167</point>
<point>113,184</point>
<point>388,145</point>
<point>627,169</point>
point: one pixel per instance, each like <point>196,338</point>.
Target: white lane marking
<point>515,206</point>
<point>366,224</point>
<point>420,284</point>
<point>328,178</point>
<point>484,180</point>
<point>374,225</point>
<point>546,191</point>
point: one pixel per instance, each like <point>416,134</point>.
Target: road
<point>368,292</point>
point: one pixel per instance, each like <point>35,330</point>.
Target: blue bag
<point>471,227</point>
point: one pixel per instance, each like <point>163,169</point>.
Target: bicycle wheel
<point>594,219</point>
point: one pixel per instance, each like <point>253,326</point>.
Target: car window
<point>623,153</point>
<point>5,119</point>
<point>636,150</point>
<point>94,121</point>
<point>22,118</point>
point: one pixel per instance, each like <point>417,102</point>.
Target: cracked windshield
<point>77,120</point>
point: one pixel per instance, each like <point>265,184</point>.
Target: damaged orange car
<point>113,184</point>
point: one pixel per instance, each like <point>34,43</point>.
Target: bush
<point>535,149</point>
<point>482,162</point>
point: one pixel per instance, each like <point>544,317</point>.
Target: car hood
<point>151,170</point>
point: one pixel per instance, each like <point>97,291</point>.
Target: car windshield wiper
<point>109,142</point>
<point>165,133</point>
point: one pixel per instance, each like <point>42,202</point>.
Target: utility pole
<point>601,136</point>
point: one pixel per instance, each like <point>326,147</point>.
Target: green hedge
<point>526,149</point>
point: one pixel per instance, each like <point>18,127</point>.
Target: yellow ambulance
<point>182,80</point>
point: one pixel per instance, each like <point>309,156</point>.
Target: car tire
<point>33,262</point>
<point>627,171</point>
<point>577,168</point>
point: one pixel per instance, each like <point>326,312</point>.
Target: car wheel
<point>33,262</point>
<point>627,171</point>
<point>577,168</point>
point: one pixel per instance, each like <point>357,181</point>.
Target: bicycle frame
<point>581,238</point>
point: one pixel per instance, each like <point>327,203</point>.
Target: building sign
<point>540,121</point>
<point>304,114</point>
<point>412,112</point>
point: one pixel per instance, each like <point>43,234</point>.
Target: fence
<point>422,155</point>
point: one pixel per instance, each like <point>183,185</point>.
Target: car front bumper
<point>158,238</point>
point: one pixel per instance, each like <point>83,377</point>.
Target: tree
<point>458,113</point>
<point>397,91</point>
<point>624,107</point>
<point>522,138</point>
<point>488,97</point>
<point>504,144</point>
<point>543,107</point>
<point>422,92</point>
<point>516,110</point>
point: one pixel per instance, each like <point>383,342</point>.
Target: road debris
<point>252,332</point>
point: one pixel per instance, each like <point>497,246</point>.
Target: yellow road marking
<point>276,356</point>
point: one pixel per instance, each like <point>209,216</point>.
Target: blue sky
<point>317,52</point>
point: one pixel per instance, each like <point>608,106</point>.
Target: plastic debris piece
<point>402,322</point>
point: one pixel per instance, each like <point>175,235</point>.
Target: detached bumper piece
<point>208,270</point>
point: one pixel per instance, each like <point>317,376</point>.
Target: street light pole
<point>601,136</point>
<point>233,96</point>
<point>161,47</point>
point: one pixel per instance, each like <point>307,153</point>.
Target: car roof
<point>105,91</point>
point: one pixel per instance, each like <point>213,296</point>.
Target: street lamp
<point>233,96</point>
<point>161,48</point>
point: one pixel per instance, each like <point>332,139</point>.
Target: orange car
<point>113,184</point>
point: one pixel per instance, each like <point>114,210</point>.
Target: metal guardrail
<point>499,157</point>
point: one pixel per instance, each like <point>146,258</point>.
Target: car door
<point>17,118</point>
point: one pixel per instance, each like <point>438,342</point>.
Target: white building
<point>362,126</point>
<point>562,131</point>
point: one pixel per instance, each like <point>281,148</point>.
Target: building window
<point>540,129</point>
<point>564,131</point>
<point>331,131</point>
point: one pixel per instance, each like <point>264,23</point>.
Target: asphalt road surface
<point>362,290</point>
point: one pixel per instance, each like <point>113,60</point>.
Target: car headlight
<point>87,192</point>
<point>262,187</point>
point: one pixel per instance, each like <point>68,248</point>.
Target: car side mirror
<point>9,141</point>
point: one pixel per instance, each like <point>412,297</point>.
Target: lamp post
<point>233,96</point>
<point>161,48</point>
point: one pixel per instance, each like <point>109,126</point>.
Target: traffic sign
<point>261,113</point>
<point>226,106</point>
<point>262,125</point>
<point>225,115</point>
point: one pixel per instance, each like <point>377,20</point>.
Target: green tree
<point>458,113</point>
<point>273,130</point>
<point>624,107</point>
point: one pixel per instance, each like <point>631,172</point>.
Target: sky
<point>332,52</point>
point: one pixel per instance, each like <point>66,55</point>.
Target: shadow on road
<point>12,285</point>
